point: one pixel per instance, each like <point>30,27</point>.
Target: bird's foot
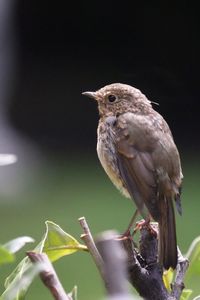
<point>147,225</point>
<point>125,235</point>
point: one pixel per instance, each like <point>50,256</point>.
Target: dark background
<point>64,49</point>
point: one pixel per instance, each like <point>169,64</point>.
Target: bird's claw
<point>147,225</point>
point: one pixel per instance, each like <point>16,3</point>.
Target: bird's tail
<point>167,234</point>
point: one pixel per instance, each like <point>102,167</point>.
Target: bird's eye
<point>112,98</point>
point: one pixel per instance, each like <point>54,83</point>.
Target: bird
<point>137,151</point>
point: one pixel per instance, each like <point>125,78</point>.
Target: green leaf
<point>5,256</point>
<point>73,294</point>
<point>7,250</point>
<point>167,278</point>
<point>186,294</point>
<point>15,245</point>
<point>58,243</point>
<point>193,256</point>
<point>18,272</point>
<point>17,288</point>
<point>14,279</point>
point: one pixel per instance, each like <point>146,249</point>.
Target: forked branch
<point>141,265</point>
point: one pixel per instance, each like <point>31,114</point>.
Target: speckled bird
<point>137,151</point>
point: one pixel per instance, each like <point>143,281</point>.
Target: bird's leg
<point>145,223</point>
<point>132,221</point>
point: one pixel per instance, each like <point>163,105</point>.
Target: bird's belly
<point>107,156</point>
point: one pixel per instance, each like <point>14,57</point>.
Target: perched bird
<point>137,151</point>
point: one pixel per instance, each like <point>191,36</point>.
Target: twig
<point>49,276</point>
<point>89,241</point>
<point>178,284</point>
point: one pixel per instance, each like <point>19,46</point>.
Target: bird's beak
<point>92,95</point>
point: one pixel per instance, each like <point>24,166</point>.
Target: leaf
<point>7,250</point>
<point>15,245</point>
<point>18,271</point>
<point>167,278</point>
<point>186,294</point>
<point>193,256</point>
<point>5,256</point>
<point>58,243</point>
<point>16,290</point>
<point>21,267</point>
<point>73,294</point>
<point>14,278</point>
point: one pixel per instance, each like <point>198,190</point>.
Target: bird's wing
<point>134,144</point>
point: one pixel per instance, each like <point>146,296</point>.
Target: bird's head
<point>117,98</point>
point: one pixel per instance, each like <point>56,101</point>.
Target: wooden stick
<point>178,285</point>
<point>89,242</point>
<point>49,276</point>
<point>114,257</point>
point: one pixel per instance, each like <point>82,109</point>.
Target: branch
<point>178,285</point>
<point>144,271</point>
<point>112,273</point>
<point>49,276</point>
<point>89,242</point>
<point>145,274</point>
<point>114,258</point>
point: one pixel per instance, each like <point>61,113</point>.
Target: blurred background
<point>49,53</point>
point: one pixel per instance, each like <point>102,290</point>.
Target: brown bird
<point>137,151</point>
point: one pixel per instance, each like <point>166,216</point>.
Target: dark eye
<point>112,98</point>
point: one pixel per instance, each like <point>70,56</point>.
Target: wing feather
<point>137,170</point>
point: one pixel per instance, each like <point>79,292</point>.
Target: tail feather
<point>178,204</point>
<point>167,233</point>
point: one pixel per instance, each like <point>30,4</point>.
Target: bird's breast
<point>107,155</point>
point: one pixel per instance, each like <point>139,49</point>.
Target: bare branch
<point>89,241</point>
<point>178,284</point>
<point>114,258</point>
<point>49,276</point>
<point>145,273</point>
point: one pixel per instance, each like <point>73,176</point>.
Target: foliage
<point>193,255</point>
<point>7,250</point>
<point>56,243</point>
